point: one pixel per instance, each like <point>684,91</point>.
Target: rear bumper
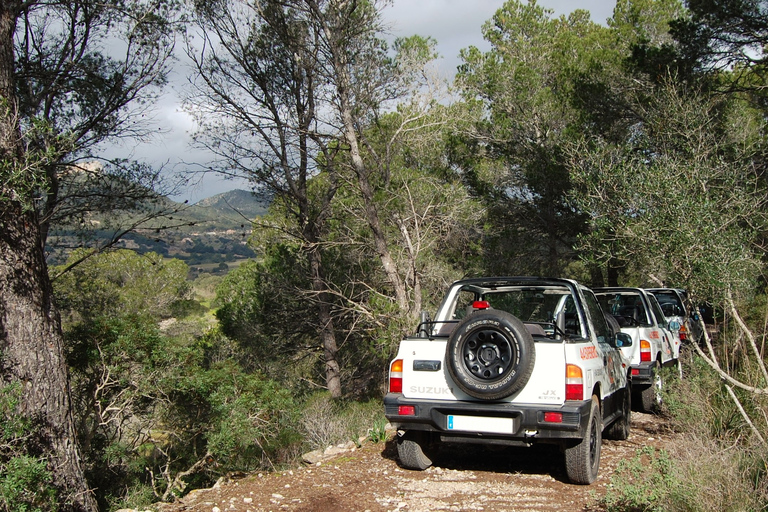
<point>528,421</point>
<point>643,374</point>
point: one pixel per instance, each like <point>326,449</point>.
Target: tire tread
<point>577,457</point>
<point>410,451</point>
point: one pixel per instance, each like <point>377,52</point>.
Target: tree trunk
<point>327,331</point>
<point>366,189</point>
<point>10,145</point>
<point>31,340</point>
<point>33,353</point>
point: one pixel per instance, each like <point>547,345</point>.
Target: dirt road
<point>464,478</point>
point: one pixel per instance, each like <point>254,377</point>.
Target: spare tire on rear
<point>490,355</point>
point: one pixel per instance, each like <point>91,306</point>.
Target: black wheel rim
<point>488,354</point>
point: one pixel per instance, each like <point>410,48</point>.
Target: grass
<point>714,463</point>
<point>326,422</point>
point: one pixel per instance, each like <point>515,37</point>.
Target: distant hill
<point>212,232</point>
<point>228,210</point>
<point>235,203</point>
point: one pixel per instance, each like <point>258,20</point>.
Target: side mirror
<point>623,340</point>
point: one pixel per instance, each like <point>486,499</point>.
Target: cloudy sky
<point>454,24</point>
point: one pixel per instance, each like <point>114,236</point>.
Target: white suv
<point>514,361</point>
<point>674,302</point>
<point>639,314</point>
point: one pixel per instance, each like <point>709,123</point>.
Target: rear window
<point>551,307</point>
<point>627,307</point>
<point>670,303</point>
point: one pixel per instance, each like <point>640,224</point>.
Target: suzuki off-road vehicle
<point>682,317</point>
<point>512,361</point>
<point>653,345</point>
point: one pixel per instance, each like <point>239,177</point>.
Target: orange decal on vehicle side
<point>588,353</point>
<point>655,335</point>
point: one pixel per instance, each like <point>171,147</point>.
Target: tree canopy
<point>631,152</point>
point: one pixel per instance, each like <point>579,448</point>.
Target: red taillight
<point>553,417</point>
<point>645,350</point>
<point>396,376</point>
<point>406,410</point>
<point>635,371</point>
<point>481,304</point>
<point>574,383</point>
<point>683,333</point>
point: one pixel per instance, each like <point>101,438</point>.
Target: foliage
<point>259,96</point>
<point>183,409</point>
<point>644,482</point>
<point>264,306</point>
<point>699,476</point>
<point>644,22</point>
<point>122,282</point>
<point>569,131</point>
<point>684,183</point>
<point>260,305</point>
<point>719,35</point>
<point>294,99</point>
<point>704,469</point>
<point>166,410</point>
<point>25,481</point>
<point>378,433</point>
<point>428,220</point>
<point>516,161</point>
<point>325,422</point>
<point>87,73</point>
<point>673,179</point>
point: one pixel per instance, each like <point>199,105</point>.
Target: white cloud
<point>454,24</point>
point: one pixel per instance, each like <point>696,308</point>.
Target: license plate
<point>481,424</point>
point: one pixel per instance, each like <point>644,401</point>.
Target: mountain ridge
<point>227,210</point>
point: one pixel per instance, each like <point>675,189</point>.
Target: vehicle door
<point>612,358</point>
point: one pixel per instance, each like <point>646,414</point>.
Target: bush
<point>327,422</point>
<point>711,465</point>
<point>25,482</point>
<point>26,485</point>
<point>644,482</point>
<point>174,414</point>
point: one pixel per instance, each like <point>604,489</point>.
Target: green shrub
<point>26,485</point>
<point>25,482</point>
<point>711,464</point>
<point>698,476</point>
<point>643,482</point>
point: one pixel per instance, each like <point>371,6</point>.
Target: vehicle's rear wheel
<point>490,355</point>
<point>650,397</point>
<point>619,429</point>
<point>410,450</point>
<point>582,460</point>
